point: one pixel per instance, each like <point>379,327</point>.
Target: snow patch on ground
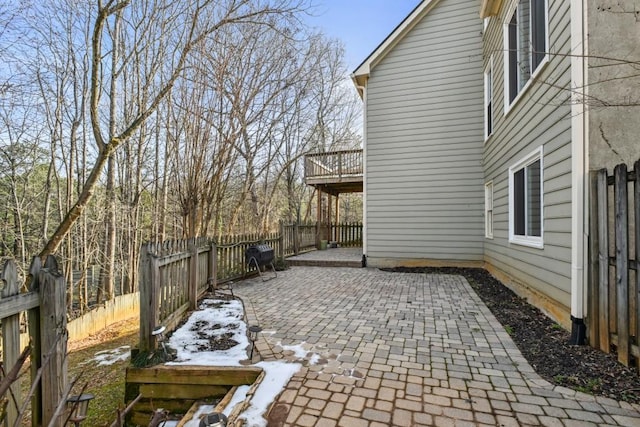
<point>239,396</point>
<point>301,352</point>
<point>277,375</point>
<point>213,320</point>
<point>222,318</point>
<point>109,357</point>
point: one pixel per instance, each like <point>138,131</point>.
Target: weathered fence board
<point>593,307</point>
<point>33,318</point>
<point>622,262</point>
<point>603,259</point>
<point>16,304</point>
<point>636,193</point>
<point>11,338</point>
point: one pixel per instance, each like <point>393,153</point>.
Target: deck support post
<point>319,218</point>
<point>329,209</point>
<point>335,234</point>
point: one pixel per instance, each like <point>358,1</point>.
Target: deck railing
<point>333,164</point>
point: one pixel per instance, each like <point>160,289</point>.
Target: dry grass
<point>105,382</point>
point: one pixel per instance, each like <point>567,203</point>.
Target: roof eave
<point>359,78</point>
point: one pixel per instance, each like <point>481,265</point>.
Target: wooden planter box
<point>177,388</point>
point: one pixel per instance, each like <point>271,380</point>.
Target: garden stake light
<point>78,406</point>
<point>254,330</point>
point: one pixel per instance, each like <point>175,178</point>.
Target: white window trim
<point>488,207</point>
<point>532,241</point>
<point>487,70</point>
<point>508,106</point>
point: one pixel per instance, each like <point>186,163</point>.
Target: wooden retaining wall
<point>177,388</point>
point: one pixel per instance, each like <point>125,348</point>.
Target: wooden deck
<point>335,172</point>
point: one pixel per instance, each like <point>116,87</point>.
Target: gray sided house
<point>482,121</point>
<point>422,90</point>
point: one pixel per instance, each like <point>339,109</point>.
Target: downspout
<point>364,174</point>
<point>579,171</point>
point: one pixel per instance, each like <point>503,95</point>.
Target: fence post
<point>603,260</point>
<point>281,241</point>
<point>212,267</point>
<point>193,275</point>
<point>149,286</point>
<point>33,317</point>
<point>54,333</point>
<point>593,304</point>
<point>11,337</point>
<point>296,238</point>
<point>636,204</point>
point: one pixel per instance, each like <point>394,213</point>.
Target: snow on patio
<point>216,335</point>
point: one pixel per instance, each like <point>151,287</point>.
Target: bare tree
<point>186,25</point>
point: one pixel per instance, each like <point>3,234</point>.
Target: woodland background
<point>124,121</point>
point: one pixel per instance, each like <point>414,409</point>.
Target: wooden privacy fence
<point>614,257</point>
<point>45,305</point>
<point>174,274</point>
<point>298,238</point>
<point>231,249</point>
<point>304,237</point>
<point>348,235</point>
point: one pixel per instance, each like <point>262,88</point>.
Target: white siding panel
<point>425,189</point>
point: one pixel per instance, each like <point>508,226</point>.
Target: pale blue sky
<point>361,24</point>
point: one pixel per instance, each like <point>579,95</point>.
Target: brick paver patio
<point>394,349</point>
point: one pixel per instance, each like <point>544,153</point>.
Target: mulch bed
<point>544,343</point>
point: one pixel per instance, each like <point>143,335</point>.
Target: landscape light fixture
<point>254,330</point>
<point>78,407</point>
<point>214,419</point>
<point>158,333</point>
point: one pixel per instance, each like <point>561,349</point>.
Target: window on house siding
<point>488,100</point>
<point>526,42</point>
<point>488,210</point>
<point>525,201</point>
